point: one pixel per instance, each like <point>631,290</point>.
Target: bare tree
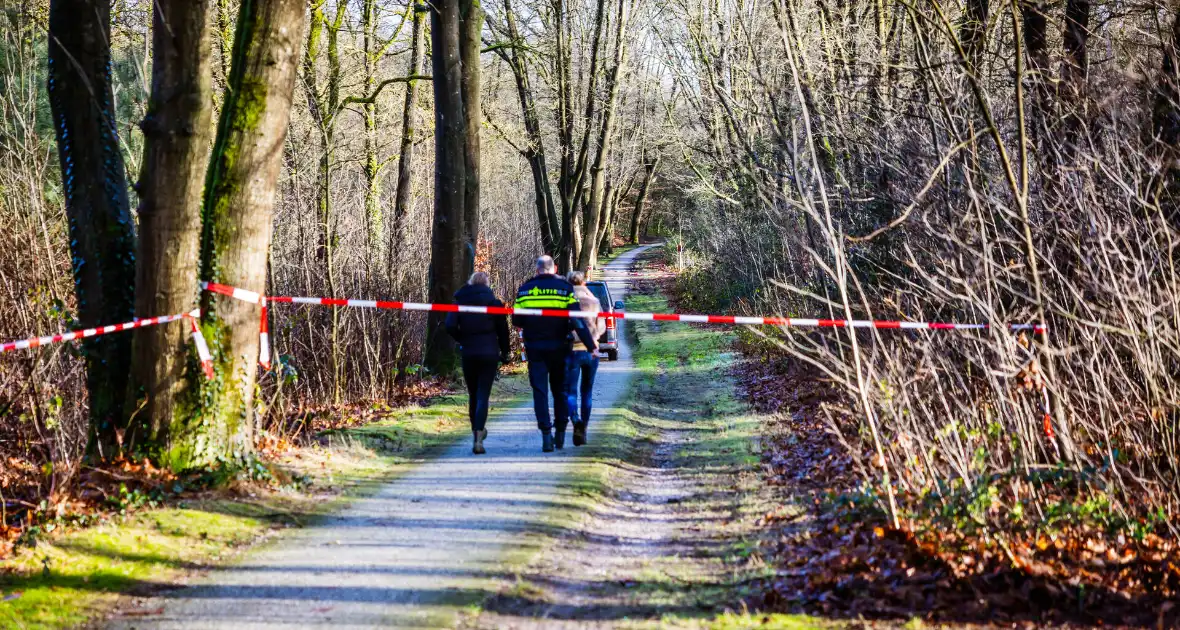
<point>405,163</point>
<point>588,255</point>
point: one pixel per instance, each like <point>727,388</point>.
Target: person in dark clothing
<point>547,342</point>
<point>483,344</point>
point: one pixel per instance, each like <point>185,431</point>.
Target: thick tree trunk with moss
<point>447,255</point>
<point>102,233</point>
<point>177,134</point>
<point>236,224</point>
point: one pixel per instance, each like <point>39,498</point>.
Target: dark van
<point>608,343</point>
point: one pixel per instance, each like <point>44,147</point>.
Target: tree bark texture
<point>576,185</point>
<point>588,256</point>
<point>236,222</point>
<point>534,152</point>
<point>402,198</point>
<point>973,32</point>
<point>470,45</point>
<point>450,173</point>
<point>1074,72</point>
<point>177,135</point>
<point>607,232</point>
<point>372,166</point>
<point>649,176</point>
<point>1165,115</point>
<point>102,232</point>
<point>1036,34</point>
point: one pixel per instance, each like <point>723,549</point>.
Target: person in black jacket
<point>483,344</point>
<point>547,342</point>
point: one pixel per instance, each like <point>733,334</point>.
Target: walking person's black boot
<point>546,441</point>
<point>480,436</point>
<point>579,433</point>
<point>559,439</point>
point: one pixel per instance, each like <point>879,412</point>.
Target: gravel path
<point>410,556</point>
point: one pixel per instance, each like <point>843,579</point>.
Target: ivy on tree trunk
<point>102,231</point>
<point>236,222</point>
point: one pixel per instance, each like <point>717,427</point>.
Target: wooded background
<point>982,161</point>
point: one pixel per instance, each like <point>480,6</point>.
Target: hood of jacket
<point>475,295</point>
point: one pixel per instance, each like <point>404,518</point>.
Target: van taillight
<point>610,323</point>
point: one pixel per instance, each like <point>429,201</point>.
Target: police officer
<point>547,343</point>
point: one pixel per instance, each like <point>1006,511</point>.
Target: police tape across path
<point>257,298</point>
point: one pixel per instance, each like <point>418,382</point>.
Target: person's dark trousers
<point>480,374</point>
<point>547,372</point>
<point>581,367</point>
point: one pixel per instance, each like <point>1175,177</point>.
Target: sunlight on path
<point>414,553</point>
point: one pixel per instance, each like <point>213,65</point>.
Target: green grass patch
<point>748,621</point>
<point>73,576</point>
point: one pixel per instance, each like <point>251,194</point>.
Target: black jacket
<point>549,291</point>
<point>478,335</point>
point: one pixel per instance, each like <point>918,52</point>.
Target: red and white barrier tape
<point>199,341</point>
<point>264,336</point>
<point>264,339</point>
<point>234,292</point>
<point>191,316</point>
<point>88,332</point>
<point>253,297</point>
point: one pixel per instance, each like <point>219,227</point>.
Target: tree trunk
<point>649,176</point>
<point>547,219</point>
<point>606,234</point>
<point>1036,32</point>
<point>470,45</point>
<point>573,161</point>
<point>577,185</point>
<point>177,134</point>
<point>974,31</point>
<point>1074,71</point>
<point>225,44</point>
<point>447,255</point>
<point>372,167</point>
<point>589,253</point>
<point>325,105</point>
<point>565,125</point>
<point>236,223</point>
<point>401,207</point>
<point>102,233</point>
